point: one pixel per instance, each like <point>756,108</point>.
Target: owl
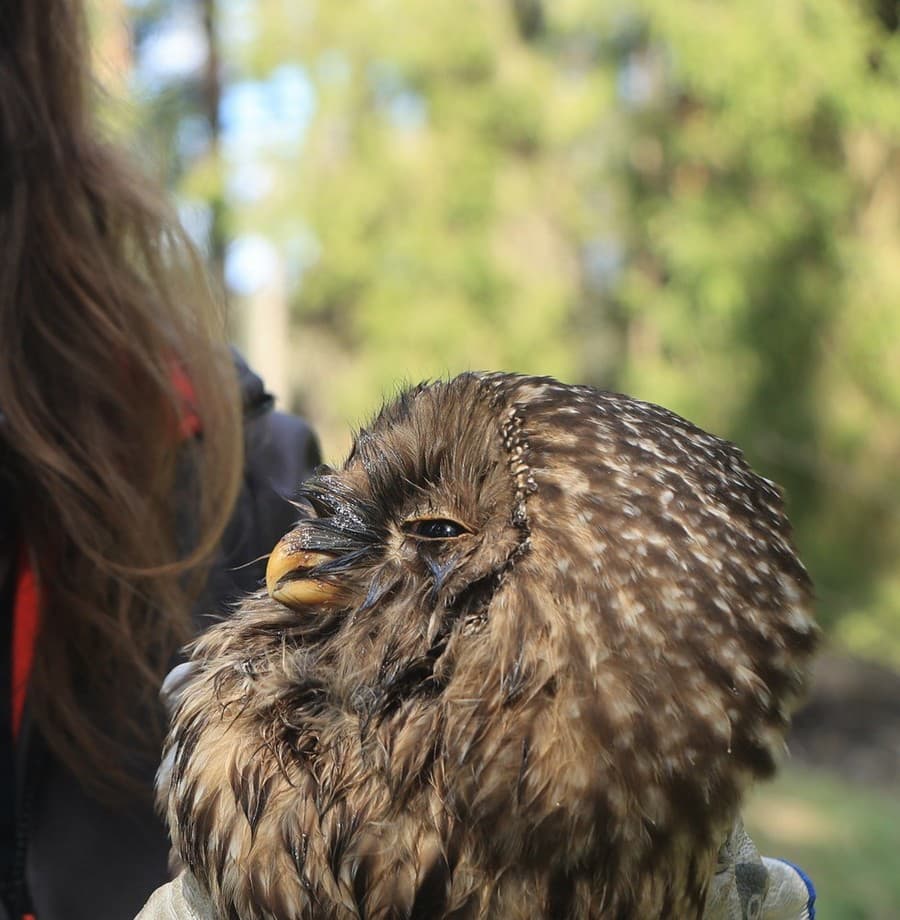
<point>520,658</point>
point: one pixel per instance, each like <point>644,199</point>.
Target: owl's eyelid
<point>409,525</point>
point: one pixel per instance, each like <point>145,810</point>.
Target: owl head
<point>520,658</point>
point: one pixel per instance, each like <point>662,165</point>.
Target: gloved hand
<point>745,886</point>
<point>181,899</point>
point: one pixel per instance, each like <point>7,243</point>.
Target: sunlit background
<point>696,202</point>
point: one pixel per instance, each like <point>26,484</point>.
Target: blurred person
<point>129,438</point>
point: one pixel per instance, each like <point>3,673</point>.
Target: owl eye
<point>434,529</point>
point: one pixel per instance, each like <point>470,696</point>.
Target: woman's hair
<point>111,345</point>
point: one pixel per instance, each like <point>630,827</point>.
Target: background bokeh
<point>695,202</point>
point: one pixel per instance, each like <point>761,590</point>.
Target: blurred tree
<point>211,81</point>
<point>159,67</point>
<point>761,176</point>
<point>436,215</point>
<point>695,202</point>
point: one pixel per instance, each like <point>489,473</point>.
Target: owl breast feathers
<point>520,661</point>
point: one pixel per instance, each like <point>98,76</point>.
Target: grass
<point>846,837</point>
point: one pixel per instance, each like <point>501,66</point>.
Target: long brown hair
<point>104,314</point>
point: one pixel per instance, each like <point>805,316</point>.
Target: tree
<point>762,284</point>
<point>435,209</point>
<point>698,203</point>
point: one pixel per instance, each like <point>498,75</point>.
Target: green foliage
<point>763,284</point>
<point>845,838</point>
<point>437,184</point>
<point>697,202</point>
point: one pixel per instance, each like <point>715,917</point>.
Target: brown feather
<point>551,714</point>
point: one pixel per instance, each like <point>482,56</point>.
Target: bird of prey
<point>520,659</point>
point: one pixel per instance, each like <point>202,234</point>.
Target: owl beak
<point>287,574</point>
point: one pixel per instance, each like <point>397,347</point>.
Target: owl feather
<point>521,660</point>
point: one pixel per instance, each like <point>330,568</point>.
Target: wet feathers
<point>557,632</point>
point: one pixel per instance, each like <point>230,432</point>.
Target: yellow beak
<point>285,579</point>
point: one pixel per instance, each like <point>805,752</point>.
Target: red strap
<point>189,424</point>
<point>26,617</point>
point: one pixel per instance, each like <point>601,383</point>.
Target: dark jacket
<point>88,861</point>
